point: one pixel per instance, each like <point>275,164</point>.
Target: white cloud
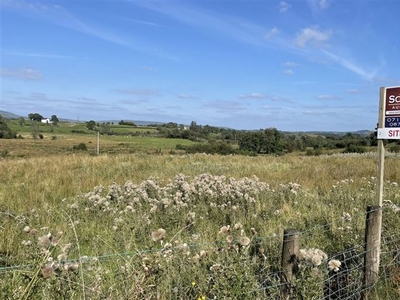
<point>288,72</point>
<point>290,64</point>
<point>21,74</point>
<point>312,35</point>
<point>271,33</point>
<point>324,4</point>
<point>328,97</point>
<point>353,91</point>
<point>284,6</point>
<point>320,4</point>
<point>351,66</point>
<point>187,97</point>
<point>253,96</point>
<point>138,92</point>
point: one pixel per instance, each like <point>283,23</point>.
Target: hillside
<point>8,115</point>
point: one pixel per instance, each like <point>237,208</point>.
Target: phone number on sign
<point>392,122</point>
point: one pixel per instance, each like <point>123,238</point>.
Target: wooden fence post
<point>289,263</point>
<point>372,247</point>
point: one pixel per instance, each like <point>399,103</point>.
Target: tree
<point>91,125</point>
<point>5,131</point>
<point>54,119</point>
<point>35,129</point>
<point>105,128</point>
<point>35,117</point>
<point>21,121</point>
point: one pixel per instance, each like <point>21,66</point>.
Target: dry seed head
<point>159,234</point>
<point>224,229</point>
<point>334,265</point>
<point>244,241</point>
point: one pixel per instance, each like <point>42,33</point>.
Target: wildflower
<point>224,229</point>
<point>33,231</point>
<point>215,267</point>
<point>26,243</point>
<point>334,265</point>
<point>47,271</point>
<point>44,241</point>
<point>229,239</point>
<point>238,226</point>
<point>193,283</point>
<point>244,241</point>
<point>159,234</point>
<point>27,229</point>
<point>346,216</point>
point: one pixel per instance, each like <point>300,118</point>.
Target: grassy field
<point>129,224</point>
<point>63,138</point>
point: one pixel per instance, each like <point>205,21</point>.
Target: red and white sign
<point>392,101</point>
<point>391,114</point>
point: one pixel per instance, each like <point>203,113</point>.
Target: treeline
<point>265,141</point>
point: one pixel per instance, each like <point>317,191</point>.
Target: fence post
<point>289,263</point>
<point>372,247</point>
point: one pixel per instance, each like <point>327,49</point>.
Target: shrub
<point>355,149</point>
<point>80,146</point>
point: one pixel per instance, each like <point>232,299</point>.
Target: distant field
<point>62,138</point>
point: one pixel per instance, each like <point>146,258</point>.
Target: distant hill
<point>8,115</point>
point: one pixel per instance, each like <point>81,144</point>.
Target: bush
<point>355,149</point>
<point>80,146</point>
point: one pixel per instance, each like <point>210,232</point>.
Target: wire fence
<point>346,281</point>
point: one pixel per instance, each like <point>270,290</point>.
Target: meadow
<point>156,224</point>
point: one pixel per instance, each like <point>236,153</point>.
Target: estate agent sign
<point>389,125</point>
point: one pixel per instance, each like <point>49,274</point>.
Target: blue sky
<point>293,65</point>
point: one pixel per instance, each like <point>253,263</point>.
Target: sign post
<point>388,128</point>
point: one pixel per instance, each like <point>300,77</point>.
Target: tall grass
<point>82,226</point>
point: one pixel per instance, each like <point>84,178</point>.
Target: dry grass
<point>313,194</point>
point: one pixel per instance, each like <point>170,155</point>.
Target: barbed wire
<point>352,262</point>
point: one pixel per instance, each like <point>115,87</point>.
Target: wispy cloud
<point>328,97</point>
<point>235,28</point>
<point>226,106</point>
<point>274,31</point>
<point>253,96</point>
<point>290,64</point>
<point>311,35</point>
<point>320,4</point>
<point>58,15</point>
<point>27,74</point>
<point>138,92</point>
<point>187,97</point>
<point>284,6</point>
<point>288,72</point>
<point>144,22</point>
<point>39,55</point>
<point>351,66</point>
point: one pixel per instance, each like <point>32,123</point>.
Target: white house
<point>47,121</point>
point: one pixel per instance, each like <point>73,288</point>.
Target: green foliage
<point>35,117</point>
<point>80,146</point>
<point>217,147</point>
<point>268,141</point>
<point>127,123</point>
<point>34,129</point>
<point>91,125</point>
<point>355,149</point>
<point>5,131</point>
<point>54,119</point>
